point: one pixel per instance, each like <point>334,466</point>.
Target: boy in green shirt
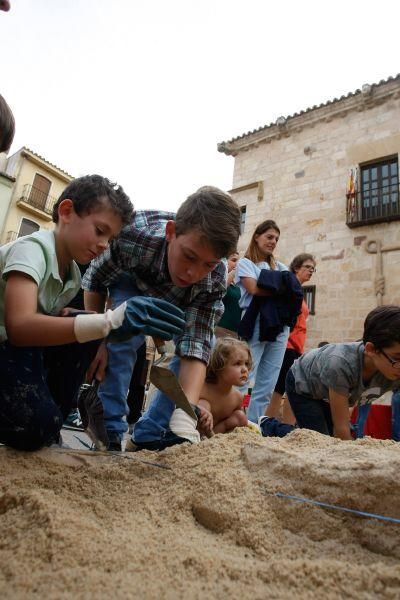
<point>44,356</point>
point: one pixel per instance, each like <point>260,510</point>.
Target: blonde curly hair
<point>221,353</point>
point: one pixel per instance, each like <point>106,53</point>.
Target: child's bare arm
<point>206,420</point>
<point>205,404</point>
<point>24,325</point>
<point>239,399</point>
<point>340,414</point>
<point>236,419</point>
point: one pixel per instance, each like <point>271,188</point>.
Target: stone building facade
<point>329,177</point>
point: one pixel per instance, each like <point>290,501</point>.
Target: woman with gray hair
<point>303,266</point>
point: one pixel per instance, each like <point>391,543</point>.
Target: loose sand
<point>86,526</point>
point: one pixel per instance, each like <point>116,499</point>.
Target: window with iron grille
<point>380,189</point>
<point>377,197</point>
<point>309,297</point>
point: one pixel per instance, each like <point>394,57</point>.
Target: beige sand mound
<point>85,526</point>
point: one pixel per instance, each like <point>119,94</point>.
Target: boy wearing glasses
<point>323,383</point>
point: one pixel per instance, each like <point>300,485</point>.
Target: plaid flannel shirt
<point>141,251</point>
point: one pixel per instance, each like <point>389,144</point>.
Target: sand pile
<point>75,526</point>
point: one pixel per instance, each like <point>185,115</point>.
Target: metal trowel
<point>166,381</point>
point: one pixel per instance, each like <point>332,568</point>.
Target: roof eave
<point>369,96</point>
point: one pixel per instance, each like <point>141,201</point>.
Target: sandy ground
<point>79,525</point>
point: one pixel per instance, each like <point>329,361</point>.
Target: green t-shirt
<point>233,313</point>
<point>36,256</point>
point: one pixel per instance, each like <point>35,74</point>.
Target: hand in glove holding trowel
<point>150,316</point>
<point>187,417</point>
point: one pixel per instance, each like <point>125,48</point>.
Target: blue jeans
<point>359,425</point>
<point>153,426</point>
<point>267,362</point>
<point>310,413</point>
<point>113,391</point>
<point>38,388</point>
<point>271,427</point>
<point>396,416</point>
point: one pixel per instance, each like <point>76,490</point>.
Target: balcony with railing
<point>373,205</point>
<point>37,199</point>
<point>9,236</point>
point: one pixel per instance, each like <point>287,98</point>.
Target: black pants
<point>137,385</point>
<point>38,387</point>
<point>309,412</point>
<point>288,359</point>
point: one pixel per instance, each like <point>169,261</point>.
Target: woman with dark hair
<point>263,288</point>
<point>303,266</point>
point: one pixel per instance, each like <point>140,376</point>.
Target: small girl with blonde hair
<point>220,401</point>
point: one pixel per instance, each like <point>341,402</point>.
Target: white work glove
<point>184,426</point>
<point>97,326</point>
<point>139,314</point>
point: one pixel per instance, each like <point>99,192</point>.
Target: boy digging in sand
<point>176,257</point>
<point>220,401</point>
<point>43,354</point>
<point>323,383</point>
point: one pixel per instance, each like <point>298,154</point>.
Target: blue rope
<point>335,507</point>
<point>89,446</point>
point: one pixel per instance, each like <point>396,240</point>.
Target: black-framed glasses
<point>310,268</point>
<point>395,363</point>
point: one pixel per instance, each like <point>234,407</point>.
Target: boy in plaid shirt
<point>176,258</point>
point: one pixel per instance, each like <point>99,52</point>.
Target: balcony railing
<point>10,236</point>
<point>38,199</point>
<point>373,206</point>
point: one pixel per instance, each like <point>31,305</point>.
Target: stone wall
<point>304,168</point>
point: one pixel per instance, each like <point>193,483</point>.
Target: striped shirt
<point>141,251</point>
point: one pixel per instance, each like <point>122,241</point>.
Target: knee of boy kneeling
<point>41,432</point>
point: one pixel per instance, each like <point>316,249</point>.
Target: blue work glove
<point>148,316</point>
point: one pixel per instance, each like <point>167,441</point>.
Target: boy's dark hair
<point>7,126</point>
<point>382,326</point>
<point>88,193</point>
<point>322,344</point>
<point>298,261</point>
<point>213,213</point>
<point>253,253</point>
<point>221,353</point>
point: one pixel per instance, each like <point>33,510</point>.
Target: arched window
<point>27,226</point>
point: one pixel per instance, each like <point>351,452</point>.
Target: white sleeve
<point>246,268</point>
